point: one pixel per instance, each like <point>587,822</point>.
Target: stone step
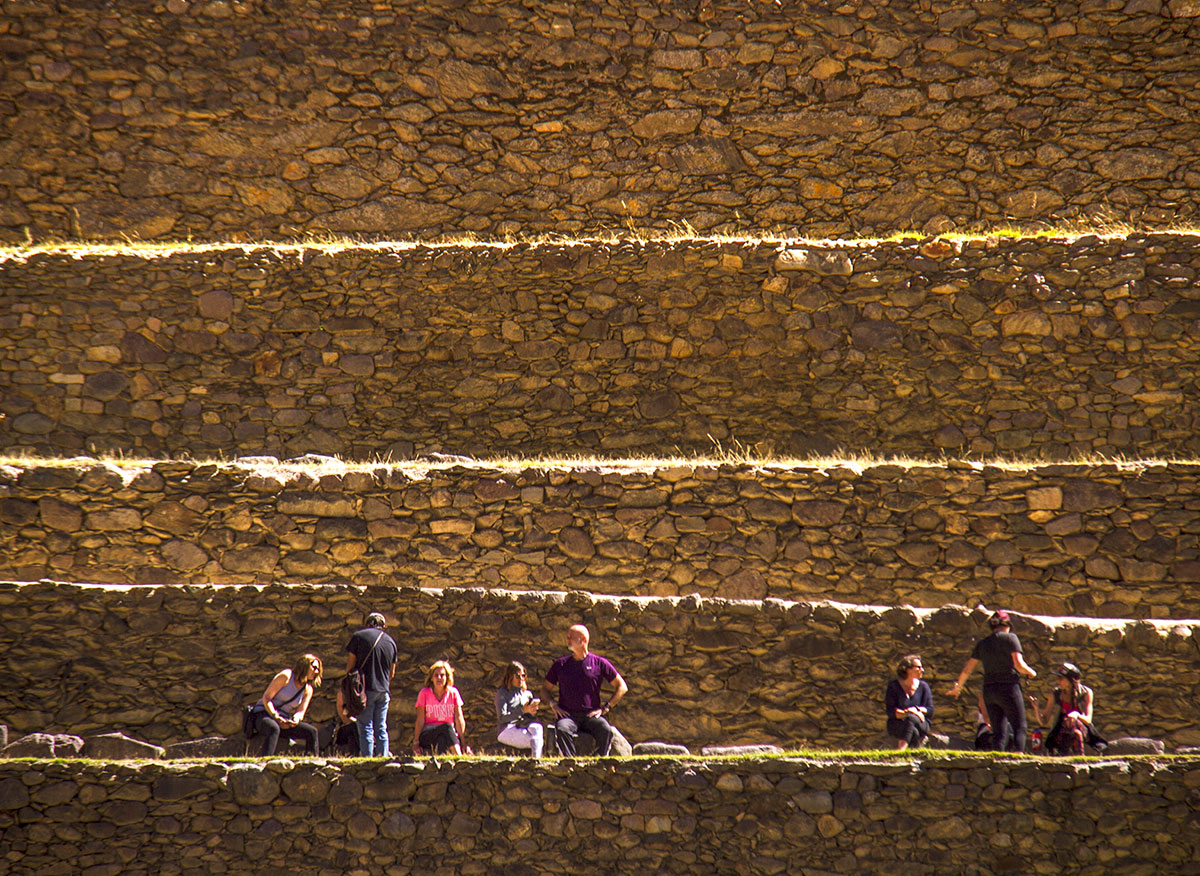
<point>1046,348</point>
<point>166,664</point>
<point>515,115</point>
<point>1119,540</point>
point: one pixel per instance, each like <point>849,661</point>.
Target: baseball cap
<point>1069,670</point>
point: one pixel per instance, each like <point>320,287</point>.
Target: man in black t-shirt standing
<point>373,653</point>
<point>1003,666</point>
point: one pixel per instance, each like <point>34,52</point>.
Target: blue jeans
<point>372,725</point>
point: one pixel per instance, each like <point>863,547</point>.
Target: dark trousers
<point>1006,709</point>
<point>984,740</point>
<point>566,729</point>
<point>910,728</point>
<point>271,733</point>
<point>438,738</point>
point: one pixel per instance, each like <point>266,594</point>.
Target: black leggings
<point>910,728</point>
<point>271,733</point>
<point>1006,708</point>
<point>438,738</point>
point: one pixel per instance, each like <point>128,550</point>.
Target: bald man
<point>580,707</point>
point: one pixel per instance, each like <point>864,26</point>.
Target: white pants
<point>523,737</point>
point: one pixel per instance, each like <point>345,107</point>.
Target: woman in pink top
<point>440,726</point>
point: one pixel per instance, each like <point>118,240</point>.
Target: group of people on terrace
<point>1001,723</point>
<point>579,706</point>
<point>440,726</point>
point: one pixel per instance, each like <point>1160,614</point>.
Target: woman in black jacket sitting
<point>908,702</point>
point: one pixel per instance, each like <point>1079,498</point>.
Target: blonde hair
<point>303,666</point>
<point>441,664</point>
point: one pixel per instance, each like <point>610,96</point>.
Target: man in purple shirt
<point>580,708</point>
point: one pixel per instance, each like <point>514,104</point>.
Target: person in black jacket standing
<point>1003,666</point>
<point>373,653</point>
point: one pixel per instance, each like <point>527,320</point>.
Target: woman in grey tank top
<point>280,712</point>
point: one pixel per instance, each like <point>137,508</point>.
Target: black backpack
<point>248,728</point>
<point>354,685</point>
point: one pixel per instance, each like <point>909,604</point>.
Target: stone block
<point>824,263</point>
<point>739,750</point>
<point>44,745</point>
<point>118,746</point>
<point>660,748</point>
<point>209,746</point>
<point>1123,745</point>
<point>252,784</point>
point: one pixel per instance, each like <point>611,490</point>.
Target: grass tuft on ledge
<point>682,233</point>
<point>737,457</point>
<point>816,756</point>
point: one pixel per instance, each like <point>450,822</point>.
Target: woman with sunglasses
<point>516,707</point>
<point>1073,726</point>
<point>909,703</point>
<point>280,711</point>
<point>440,725</point>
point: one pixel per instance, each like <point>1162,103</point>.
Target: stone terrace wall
<point>1062,540</point>
<point>1040,348</point>
<point>663,816</point>
<point>217,118</point>
<point>76,657</point>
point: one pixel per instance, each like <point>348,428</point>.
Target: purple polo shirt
<point>579,681</point>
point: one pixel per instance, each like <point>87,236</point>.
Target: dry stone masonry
<point>221,118</point>
<point>663,816</point>
<point>701,671</point>
<point>746,602</point>
<point>1039,348</point>
<point>1089,540</point>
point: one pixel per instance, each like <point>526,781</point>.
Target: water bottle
<point>1036,743</point>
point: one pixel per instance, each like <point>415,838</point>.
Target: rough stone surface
<point>1032,348</point>
<point>118,746</point>
<point>773,672</point>
<point>660,748</point>
<point>1124,745</point>
<point>44,745</point>
<point>515,116</point>
<point>738,750</point>
<point>252,784</point>
<point>209,746</point>
<point>664,816</point>
<point>1100,540</point>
